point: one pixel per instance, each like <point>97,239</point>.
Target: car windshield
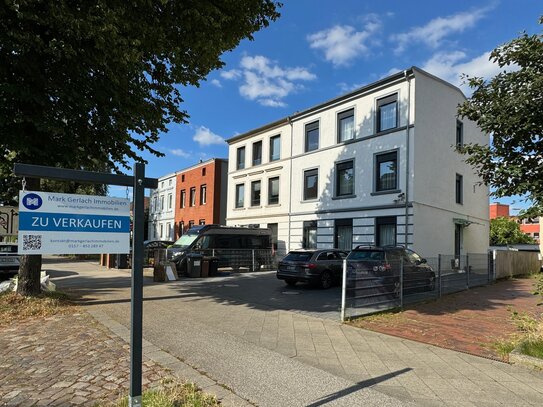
<point>367,255</point>
<point>298,256</point>
<point>414,257</point>
<point>185,241</point>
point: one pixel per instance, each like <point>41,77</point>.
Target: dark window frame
<point>257,152</point>
<point>459,134</point>
<point>240,163</point>
<point>378,159</point>
<point>341,116</point>
<point>342,223</point>
<point>337,177</point>
<point>385,221</point>
<point>254,201</point>
<point>272,139</point>
<point>459,189</point>
<point>309,173</point>
<point>385,101</point>
<point>309,127</point>
<point>275,200</point>
<point>309,225</point>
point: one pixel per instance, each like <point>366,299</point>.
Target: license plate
<point>7,260</point>
<point>291,268</point>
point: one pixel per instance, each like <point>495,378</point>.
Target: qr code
<point>31,242</point>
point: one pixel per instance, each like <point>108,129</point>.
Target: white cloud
<point>216,82</point>
<point>349,87</point>
<point>266,82</point>
<point>206,137</point>
<point>231,74</point>
<point>342,43</point>
<point>437,29</point>
<point>450,67</point>
<point>180,153</point>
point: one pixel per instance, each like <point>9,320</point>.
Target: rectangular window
<point>168,231</point>
<point>311,184</point>
<point>170,201</point>
<point>255,193</point>
<point>161,231</point>
<point>387,113</point>
<point>311,136</point>
<point>181,228</point>
<point>274,231</point>
<point>386,171</point>
<point>154,207</point>
<point>203,194</point>
<point>459,189</point>
<point>275,148</point>
<point>183,198</point>
<point>170,182</point>
<point>191,224</point>
<point>459,134</point>
<point>343,236</point>
<point>240,160</point>
<point>257,153</point>
<point>162,203</point>
<point>345,123</point>
<point>202,222</point>
<point>193,196</point>
<point>385,234</point>
<point>345,178</point>
<point>183,178</point>
<point>203,172</point>
<point>310,235</point>
<point>240,195</point>
<point>273,191</point>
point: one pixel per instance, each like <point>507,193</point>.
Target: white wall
<point>165,216</point>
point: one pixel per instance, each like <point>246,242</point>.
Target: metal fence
<point>238,260</point>
<point>371,289</point>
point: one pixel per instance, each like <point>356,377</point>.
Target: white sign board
<point>51,223</point>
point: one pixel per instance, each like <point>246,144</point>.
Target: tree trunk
<point>30,265</point>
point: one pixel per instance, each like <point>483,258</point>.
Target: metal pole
<point>134,399</point>
<point>401,282</point>
<point>439,275</point>
<point>467,270</point>
<point>343,289</point>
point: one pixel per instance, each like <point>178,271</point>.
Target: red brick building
<point>532,227</point>
<point>200,195</point>
<point>498,210</point>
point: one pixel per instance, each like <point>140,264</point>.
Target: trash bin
<point>194,265</point>
<point>213,266</point>
<point>121,261</point>
<point>205,266</point>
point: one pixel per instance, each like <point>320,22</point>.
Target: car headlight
<point>177,254</point>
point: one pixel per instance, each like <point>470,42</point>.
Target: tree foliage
<point>84,83</point>
<point>509,107</point>
<point>505,231</point>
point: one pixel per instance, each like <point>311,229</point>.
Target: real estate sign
<point>51,223</point>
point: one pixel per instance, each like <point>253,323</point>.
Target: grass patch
<point>534,349</point>
<point>173,394</point>
<point>504,348</point>
<point>14,307</point>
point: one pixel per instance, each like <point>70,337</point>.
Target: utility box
<point>194,265</point>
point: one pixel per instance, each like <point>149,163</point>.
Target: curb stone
<point>518,358</point>
<point>177,367</point>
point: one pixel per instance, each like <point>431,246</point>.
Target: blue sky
<point>318,50</point>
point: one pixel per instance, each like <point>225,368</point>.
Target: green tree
<point>509,107</point>
<point>504,231</point>
<point>83,83</point>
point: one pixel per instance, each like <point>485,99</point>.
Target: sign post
<point>138,182</point>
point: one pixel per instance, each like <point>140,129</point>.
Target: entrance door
<point>343,238</point>
<point>458,232</point>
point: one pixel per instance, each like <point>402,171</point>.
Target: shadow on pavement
<point>358,386</point>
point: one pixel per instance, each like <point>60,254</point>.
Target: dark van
<point>235,247</point>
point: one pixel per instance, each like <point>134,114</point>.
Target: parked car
<point>9,259</point>
<point>322,268</point>
<point>384,262</point>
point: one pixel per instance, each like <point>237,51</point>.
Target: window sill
<point>239,209</point>
<point>273,205</point>
<point>334,198</point>
<point>255,207</point>
<point>309,200</point>
<point>388,192</point>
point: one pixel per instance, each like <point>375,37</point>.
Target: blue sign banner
<point>70,222</point>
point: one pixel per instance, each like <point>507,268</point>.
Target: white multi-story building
<point>374,166</point>
<point>162,209</point>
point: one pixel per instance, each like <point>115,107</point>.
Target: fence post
<point>467,271</point>
<point>343,289</point>
<point>253,259</point>
<point>439,275</point>
<point>401,282</point>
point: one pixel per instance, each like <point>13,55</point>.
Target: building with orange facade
<point>200,196</point>
<point>532,227</point>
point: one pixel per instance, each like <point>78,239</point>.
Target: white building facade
<point>162,209</point>
<point>375,166</point>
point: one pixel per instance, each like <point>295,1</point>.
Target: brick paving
<point>470,321</point>
<point>65,360</point>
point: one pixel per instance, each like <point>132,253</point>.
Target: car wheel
<point>326,279</point>
<point>291,282</point>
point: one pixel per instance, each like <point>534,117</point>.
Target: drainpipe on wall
<point>407,158</point>
<point>290,194</point>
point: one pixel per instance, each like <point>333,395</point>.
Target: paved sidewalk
<point>275,358</point>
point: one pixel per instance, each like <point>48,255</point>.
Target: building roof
<point>355,93</point>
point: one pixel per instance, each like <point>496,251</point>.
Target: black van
<point>235,247</point>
